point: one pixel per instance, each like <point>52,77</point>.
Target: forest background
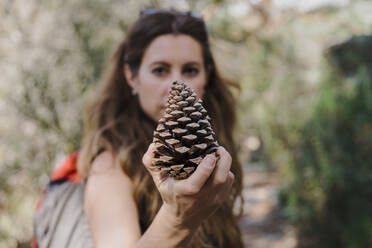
<point>305,105</point>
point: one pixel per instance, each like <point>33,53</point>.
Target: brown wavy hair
<point>115,122</point>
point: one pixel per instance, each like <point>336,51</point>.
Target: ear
<point>129,76</point>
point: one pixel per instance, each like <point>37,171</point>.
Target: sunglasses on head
<point>155,11</point>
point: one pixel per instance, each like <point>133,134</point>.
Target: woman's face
<point>168,58</point>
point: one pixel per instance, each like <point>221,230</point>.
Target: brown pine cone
<point>184,135</point>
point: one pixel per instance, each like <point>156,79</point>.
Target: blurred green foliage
<point>330,189</point>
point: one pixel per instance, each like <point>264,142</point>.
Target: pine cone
<point>184,135</point>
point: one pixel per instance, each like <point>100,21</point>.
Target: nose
<point>167,86</point>
<point>176,75</point>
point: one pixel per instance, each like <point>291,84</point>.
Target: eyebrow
<point>160,63</point>
<point>193,63</point>
<point>163,63</point>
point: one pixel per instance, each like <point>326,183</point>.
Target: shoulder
<point>106,173</point>
<point>104,162</point>
<point>106,184</point>
<point>108,187</point>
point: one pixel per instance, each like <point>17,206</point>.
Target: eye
<point>191,71</point>
<point>159,71</point>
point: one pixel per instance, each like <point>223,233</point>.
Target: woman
<point>125,202</point>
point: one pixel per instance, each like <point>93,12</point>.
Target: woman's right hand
<point>192,200</point>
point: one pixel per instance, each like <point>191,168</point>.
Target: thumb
<point>195,182</point>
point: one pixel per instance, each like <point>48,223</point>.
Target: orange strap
<point>68,170</point>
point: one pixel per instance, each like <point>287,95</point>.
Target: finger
<point>224,191</point>
<point>231,178</point>
<point>230,181</point>
<point>148,157</point>
<point>223,166</point>
<point>195,182</point>
<point>148,160</point>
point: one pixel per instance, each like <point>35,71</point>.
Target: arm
<point>112,214</point>
<point>109,207</point>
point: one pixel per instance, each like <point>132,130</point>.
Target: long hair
<point>115,122</point>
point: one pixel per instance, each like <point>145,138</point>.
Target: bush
<point>329,194</point>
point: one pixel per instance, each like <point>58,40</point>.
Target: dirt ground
<point>263,224</point>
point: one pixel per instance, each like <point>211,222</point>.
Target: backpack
<point>59,220</point>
